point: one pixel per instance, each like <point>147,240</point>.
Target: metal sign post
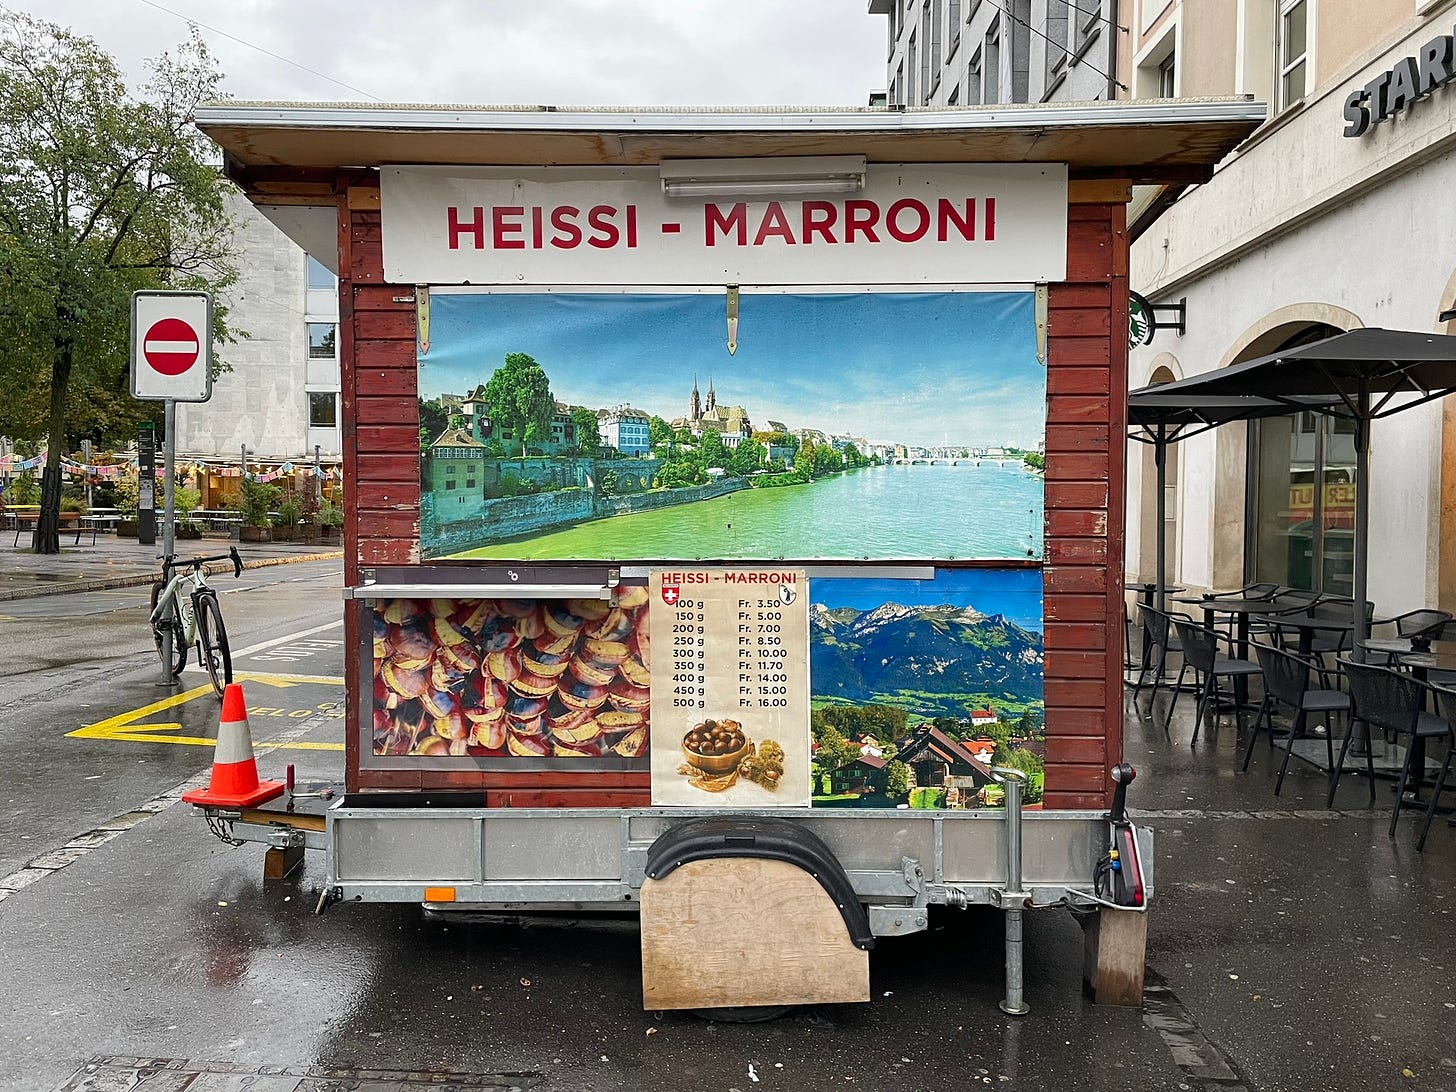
<point>171,362</point>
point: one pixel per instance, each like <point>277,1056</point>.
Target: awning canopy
<point>269,145</point>
<point>1361,375</point>
<point>1157,417</point>
<point>1383,365</point>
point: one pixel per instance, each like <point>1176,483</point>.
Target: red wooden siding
<point>1086,378</point>
<point>1086,415</point>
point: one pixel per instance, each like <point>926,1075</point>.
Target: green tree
<point>852,457</point>
<point>102,194</point>
<point>712,450</point>
<point>518,398</point>
<point>588,436</point>
<point>804,461</point>
<point>746,458</point>
<point>433,421</point>
<point>659,432</point>
<point>897,779</point>
<point>826,460</point>
<point>1035,460</point>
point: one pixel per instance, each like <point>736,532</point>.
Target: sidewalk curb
<point>141,579</point>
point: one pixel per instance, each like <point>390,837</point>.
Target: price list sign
<point>730,687</point>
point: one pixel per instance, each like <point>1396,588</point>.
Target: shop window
<point>1301,503</point>
<point>1293,50</point>
<point>323,411</point>
<point>321,340</point>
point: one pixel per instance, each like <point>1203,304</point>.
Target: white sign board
<point>171,346</point>
<point>730,687</point>
<point>917,223</point>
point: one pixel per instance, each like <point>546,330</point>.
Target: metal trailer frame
<point>522,860</point>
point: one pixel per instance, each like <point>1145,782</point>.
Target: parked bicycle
<point>192,617</point>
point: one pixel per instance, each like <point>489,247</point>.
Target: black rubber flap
<point>770,838</point>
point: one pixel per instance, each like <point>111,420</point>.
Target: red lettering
<point>819,218</point>
<point>503,228</point>
<point>713,217</point>
<point>861,217</point>
<point>475,227</point>
<point>922,221</point>
<point>990,231</point>
<point>568,234</point>
<point>631,226</point>
<point>606,234</point>
<point>947,214</point>
<point>774,223</point>
<point>536,227</point>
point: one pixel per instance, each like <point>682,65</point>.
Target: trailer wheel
<point>748,1014</point>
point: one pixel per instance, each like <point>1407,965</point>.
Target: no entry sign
<point>171,346</point>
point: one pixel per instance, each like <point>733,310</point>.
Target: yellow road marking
<point>124,726</point>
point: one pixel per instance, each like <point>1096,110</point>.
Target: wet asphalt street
<point>1290,947</point>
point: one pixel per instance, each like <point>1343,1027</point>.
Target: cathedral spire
<point>697,404</point>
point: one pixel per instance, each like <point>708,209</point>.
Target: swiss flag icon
<point>670,594</point>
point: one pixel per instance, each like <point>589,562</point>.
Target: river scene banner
<point>618,427</point>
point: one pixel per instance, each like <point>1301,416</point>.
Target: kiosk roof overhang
<point>1158,141</point>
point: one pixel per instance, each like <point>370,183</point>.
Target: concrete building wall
<point>263,401</point>
<point>1303,225</point>
<point>972,52</point>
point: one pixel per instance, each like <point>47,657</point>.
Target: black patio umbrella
<point>1362,375</point>
<point>1159,418</point>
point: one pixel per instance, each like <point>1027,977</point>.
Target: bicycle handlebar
<point>170,561</point>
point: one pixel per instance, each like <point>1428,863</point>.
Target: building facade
<point>1336,214</point>
<point>980,52</point>
<point>281,397</point>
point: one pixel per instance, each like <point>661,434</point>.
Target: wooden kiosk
<point>509,692</point>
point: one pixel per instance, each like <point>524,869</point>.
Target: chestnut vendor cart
<point>710,477</point>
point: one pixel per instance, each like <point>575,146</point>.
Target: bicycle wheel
<point>212,642</point>
<point>171,620</point>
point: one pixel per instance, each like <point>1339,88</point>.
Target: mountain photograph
<point>930,660</point>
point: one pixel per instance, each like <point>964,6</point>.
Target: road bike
<point>192,618</point>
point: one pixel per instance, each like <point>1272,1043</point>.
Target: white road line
<point>284,640</point>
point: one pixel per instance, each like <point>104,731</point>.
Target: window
<point>954,98</point>
<point>928,43</point>
<point>323,409</point>
<point>1056,34</point>
<point>319,276</point>
<point>1293,50</point>
<point>973,81</point>
<point>991,64</point>
<point>897,93</point>
<point>321,340</point>
<point>1019,32</point>
<point>953,15</point>
<point>936,14</point>
<point>911,99</point>
<point>1089,21</point>
<point>1167,77</point>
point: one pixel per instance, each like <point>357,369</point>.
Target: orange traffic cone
<point>235,781</point>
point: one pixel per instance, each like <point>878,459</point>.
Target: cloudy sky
<point>556,52</point>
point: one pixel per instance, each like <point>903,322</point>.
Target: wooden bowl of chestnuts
<point>715,746</point>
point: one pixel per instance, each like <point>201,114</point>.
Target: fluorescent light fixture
<point>771,177</point>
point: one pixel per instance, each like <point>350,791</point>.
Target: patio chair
<point>1446,707</point>
<point>1425,622</point>
<point>1160,640</point>
<point>1200,652</point>
<point>1394,702</point>
<point>1286,683</point>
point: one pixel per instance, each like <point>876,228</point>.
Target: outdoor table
<point>1307,625</point>
<point>1241,610</point>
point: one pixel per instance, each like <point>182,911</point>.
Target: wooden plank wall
<point>1085,453</point>
<point>1086,378</point>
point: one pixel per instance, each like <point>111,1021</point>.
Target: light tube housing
<point>770,177</point>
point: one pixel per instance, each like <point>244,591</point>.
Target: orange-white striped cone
<point>235,781</point>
